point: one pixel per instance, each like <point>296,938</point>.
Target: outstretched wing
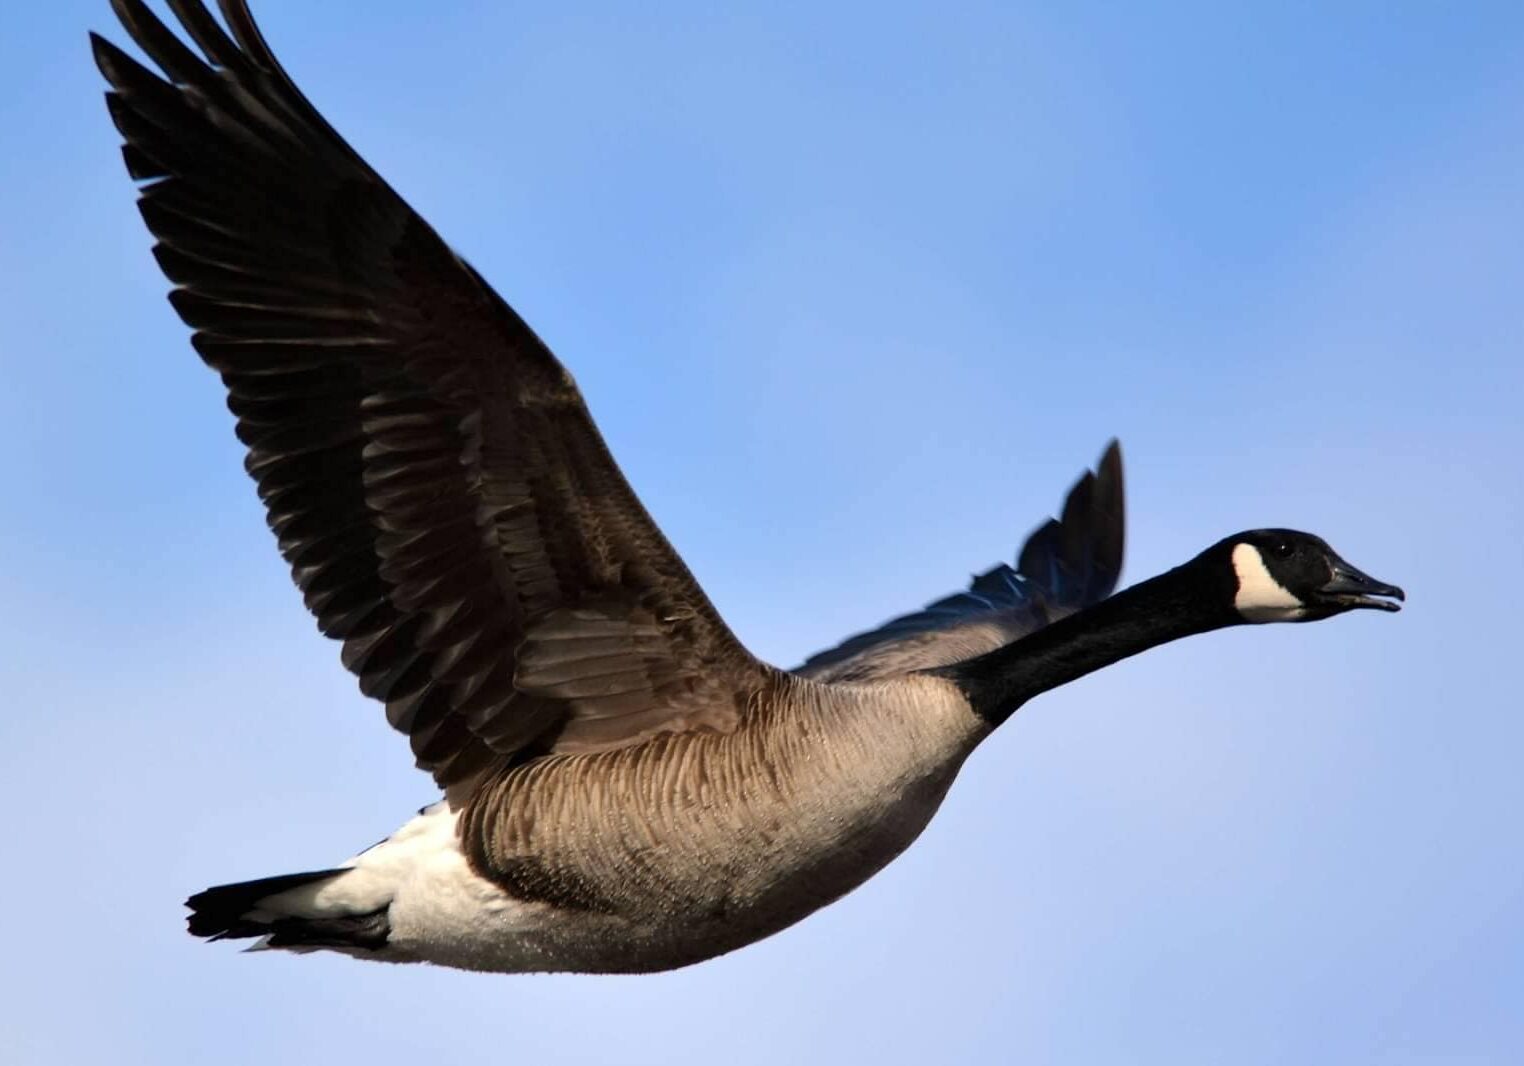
<point>447,506</point>
<point>1067,564</point>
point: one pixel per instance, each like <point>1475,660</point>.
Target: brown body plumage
<point>688,845</point>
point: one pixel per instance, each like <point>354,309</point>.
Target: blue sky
<point>854,292</point>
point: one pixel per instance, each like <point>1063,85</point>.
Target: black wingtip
<point>1109,513</point>
<point>1110,465</point>
<point>109,59</point>
<point>1076,559</point>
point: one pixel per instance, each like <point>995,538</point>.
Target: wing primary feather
<point>431,474</point>
<point>1065,564</point>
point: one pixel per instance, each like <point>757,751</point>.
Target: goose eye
<point>1282,549</point>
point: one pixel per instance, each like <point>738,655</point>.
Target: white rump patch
<point>375,875</point>
<point>1260,597</point>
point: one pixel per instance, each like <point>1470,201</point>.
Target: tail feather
<point>346,908</point>
<point>228,912</point>
<point>344,932</point>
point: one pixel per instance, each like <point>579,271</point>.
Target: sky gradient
<point>854,291</point>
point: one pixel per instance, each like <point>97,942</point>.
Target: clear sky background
<point>855,291</point>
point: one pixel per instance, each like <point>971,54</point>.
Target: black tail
<point>218,913</point>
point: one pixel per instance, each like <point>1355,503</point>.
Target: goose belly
<point>653,858</point>
<point>647,909</point>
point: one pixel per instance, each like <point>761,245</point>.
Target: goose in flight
<point>626,788</point>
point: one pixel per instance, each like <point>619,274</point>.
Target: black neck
<point>1177,603</point>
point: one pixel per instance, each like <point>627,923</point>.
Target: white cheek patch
<point>1260,597</point>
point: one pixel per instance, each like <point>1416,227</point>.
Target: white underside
<point>438,909</point>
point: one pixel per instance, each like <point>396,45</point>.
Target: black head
<point>1286,576</point>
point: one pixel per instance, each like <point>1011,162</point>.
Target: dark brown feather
<point>430,471</point>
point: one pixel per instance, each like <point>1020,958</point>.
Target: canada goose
<point>626,788</point>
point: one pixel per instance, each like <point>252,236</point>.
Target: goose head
<point>1260,575</point>
<point>1283,575</point>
